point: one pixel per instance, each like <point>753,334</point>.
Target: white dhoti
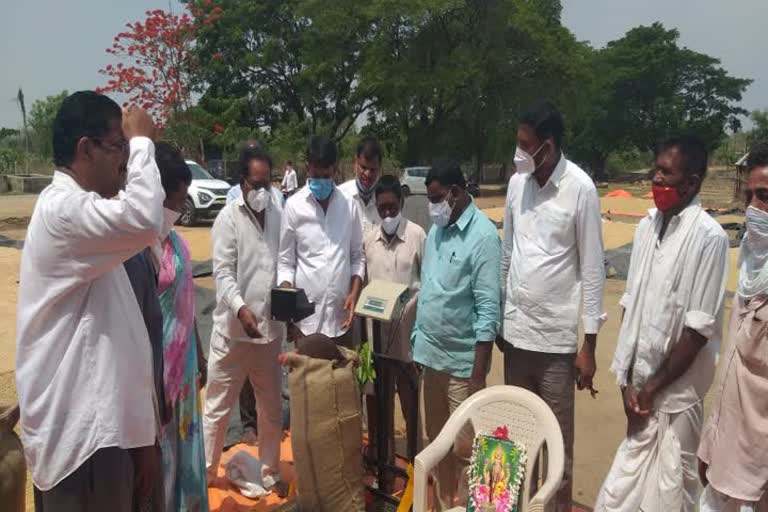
<point>655,470</point>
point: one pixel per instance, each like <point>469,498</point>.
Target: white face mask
<point>753,258</point>
<point>258,200</point>
<point>390,224</point>
<point>757,229</point>
<point>524,163</point>
<point>169,219</point>
<point>440,213</point>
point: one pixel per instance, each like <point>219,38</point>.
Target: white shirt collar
<point>691,209</point>
<point>557,173</point>
<point>65,180</point>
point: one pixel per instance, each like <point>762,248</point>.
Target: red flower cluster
<point>158,60</point>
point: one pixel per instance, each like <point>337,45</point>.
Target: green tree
<point>433,76</point>
<point>759,132</point>
<point>451,78</point>
<point>10,156</point>
<point>41,117</point>
<point>646,87</point>
<point>216,123</point>
<point>7,132</point>
<point>295,60</point>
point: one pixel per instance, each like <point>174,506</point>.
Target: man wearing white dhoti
<point>669,339</point>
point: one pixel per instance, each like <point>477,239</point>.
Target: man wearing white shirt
<point>245,341</point>
<point>360,190</point>
<point>321,247</point>
<point>290,180</point>
<point>234,192</point>
<point>84,370</point>
<point>669,339</point>
<point>552,260</point>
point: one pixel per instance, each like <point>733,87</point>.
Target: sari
<point>181,440</point>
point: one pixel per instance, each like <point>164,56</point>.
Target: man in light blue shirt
<point>457,314</point>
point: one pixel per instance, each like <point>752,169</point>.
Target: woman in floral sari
<point>181,440</point>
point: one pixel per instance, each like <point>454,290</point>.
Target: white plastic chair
<point>530,421</point>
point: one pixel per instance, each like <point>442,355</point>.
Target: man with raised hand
<point>84,363</point>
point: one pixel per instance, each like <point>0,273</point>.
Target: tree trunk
<point>597,166</point>
<point>479,154</point>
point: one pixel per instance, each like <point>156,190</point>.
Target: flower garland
<point>502,498</point>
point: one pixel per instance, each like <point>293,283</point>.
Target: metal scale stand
<point>383,301</point>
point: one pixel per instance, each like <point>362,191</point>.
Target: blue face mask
<point>321,188</point>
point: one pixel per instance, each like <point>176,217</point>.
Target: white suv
<point>413,180</point>
<point>205,198</point>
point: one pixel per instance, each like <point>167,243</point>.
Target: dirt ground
<point>600,422</point>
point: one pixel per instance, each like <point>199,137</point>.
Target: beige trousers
<point>552,377</point>
<point>229,364</point>
<point>442,394</point>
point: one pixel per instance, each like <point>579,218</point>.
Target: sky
<point>47,46</point>
<point>733,31</point>
<point>65,47</point>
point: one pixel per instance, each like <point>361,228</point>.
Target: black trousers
<point>103,482</point>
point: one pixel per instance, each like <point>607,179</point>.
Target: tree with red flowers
<point>155,63</point>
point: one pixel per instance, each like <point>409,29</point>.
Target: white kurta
<point>84,361</point>
<point>290,180</point>
<point>369,215</point>
<point>676,283</point>
<point>245,268</point>
<point>552,262</point>
<point>320,252</point>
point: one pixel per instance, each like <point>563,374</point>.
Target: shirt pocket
<point>751,338</point>
<point>664,324</point>
<point>453,271</point>
<point>555,228</point>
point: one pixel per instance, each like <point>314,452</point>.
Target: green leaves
<point>760,131</point>
<point>644,87</point>
<point>41,117</point>
<point>450,77</point>
<point>365,372</point>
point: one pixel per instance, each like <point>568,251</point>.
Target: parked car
<point>413,178</point>
<point>205,198</point>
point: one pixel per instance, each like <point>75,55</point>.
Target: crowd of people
<point>110,365</point>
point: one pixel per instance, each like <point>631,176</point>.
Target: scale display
<point>375,305</point>
<point>382,300</point>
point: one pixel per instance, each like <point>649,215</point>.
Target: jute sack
<point>326,433</point>
<point>13,468</point>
